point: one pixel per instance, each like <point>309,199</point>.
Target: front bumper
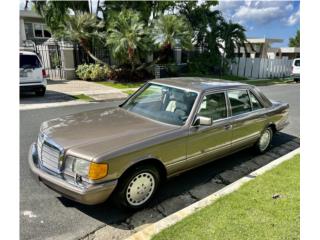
<point>90,195</point>
<point>295,75</point>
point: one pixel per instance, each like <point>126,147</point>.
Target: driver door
<point>206,143</point>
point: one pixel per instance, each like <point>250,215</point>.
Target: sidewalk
<point>76,87</point>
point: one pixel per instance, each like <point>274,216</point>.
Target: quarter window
<point>239,101</point>
<point>213,106</point>
<point>255,103</point>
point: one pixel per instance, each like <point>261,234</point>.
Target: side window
<point>213,106</point>
<point>240,102</point>
<point>255,103</point>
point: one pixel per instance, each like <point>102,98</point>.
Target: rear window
<point>297,63</point>
<point>29,61</point>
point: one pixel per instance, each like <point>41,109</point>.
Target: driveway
<point>62,92</point>
<point>46,215</point>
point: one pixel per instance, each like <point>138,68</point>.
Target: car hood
<point>92,133</point>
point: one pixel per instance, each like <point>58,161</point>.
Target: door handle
<point>228,126</point>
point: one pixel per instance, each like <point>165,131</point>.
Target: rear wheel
<point>297,80</point>
<point>137,187</point>
<point>41,91</point>
<point>264,141</point>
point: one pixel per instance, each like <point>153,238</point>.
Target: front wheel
<point>136,188</point>
<point>264,140</point>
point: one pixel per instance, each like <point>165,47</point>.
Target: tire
<point>297,80</point>
<point>41,91</point>
<point>264,141</point>
<point>137,187</point>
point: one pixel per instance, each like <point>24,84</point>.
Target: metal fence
<point>51,60</point>
<point>82,57</point>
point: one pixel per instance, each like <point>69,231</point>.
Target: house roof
<point>265,40</point>
<point>29,14</point>
<point>198,84</point>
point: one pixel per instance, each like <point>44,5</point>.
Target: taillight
<point>44,75</point>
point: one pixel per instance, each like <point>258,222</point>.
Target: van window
<point>297,63</point>
<point>29,61</point>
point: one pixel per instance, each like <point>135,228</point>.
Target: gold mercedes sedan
<point>165,128</point>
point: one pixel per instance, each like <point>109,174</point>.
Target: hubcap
<point>140,189</point>
<point>264,140</point>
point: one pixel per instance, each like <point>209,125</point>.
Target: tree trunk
<point>82,44</point>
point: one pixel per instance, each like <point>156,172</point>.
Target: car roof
<point>199,84</point>
<point>28,53</point>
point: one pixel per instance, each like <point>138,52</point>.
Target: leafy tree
<point>199,17</point>
<point>233,35</point>
<point>82,28</point>
<point>54,12</point>
<point>295,41</point>
<point>171,31</point>
<point>128,38</point>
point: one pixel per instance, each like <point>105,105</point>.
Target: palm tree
<point>234,37</point>
<point>82,28</point>
<point>171,31</point>
<point>54,12</point>
<point>128,38</point>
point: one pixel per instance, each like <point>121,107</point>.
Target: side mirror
<point>204,121</point>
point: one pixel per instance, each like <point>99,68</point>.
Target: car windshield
<point>163,103</point>
<point>29,61</point>
<point>297,63</point>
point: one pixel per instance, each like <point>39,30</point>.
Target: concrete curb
<point>151,230</point>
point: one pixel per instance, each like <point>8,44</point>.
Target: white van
<point>32,74</point>
<point>295,73</point>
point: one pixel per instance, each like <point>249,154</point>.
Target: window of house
<point>213,106</point>
<point>28,28</point>
<point>38,30</point>
<point>239,101</point>
<point>46,32</point>
<point>255,102</point>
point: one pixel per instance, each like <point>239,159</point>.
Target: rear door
<point>30,69</point>
<point>248,117</point>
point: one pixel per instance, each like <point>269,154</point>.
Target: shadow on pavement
<point>189,187</point>
<point>49,97</point>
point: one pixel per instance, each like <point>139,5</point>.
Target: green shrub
<point>204,63</point>
<point>93,72</point>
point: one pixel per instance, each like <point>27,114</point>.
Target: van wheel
<point>297,80</point>
<point>41,92</point>
<point>264,141</point>
<point>137,187</point>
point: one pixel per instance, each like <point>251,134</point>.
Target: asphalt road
<point>46,215</point>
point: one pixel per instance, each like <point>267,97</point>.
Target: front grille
<point>49,154</point>
<point>50,157</point>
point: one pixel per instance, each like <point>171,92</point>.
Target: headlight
<point>85,168</point>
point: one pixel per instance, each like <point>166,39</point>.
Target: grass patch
<point>122,85</point>
<point>267,82</point>
<point>263,82</point>
<point>83,97</point>
<point>252,212</point>
<point>224,77</point>
<point>129,92</point>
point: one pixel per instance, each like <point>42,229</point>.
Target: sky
<point>270,19</point>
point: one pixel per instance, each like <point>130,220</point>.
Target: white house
<point>32,27</point>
